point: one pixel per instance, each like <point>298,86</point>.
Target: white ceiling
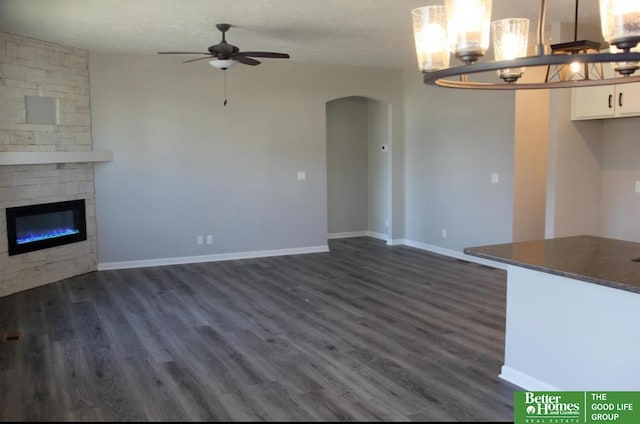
<point>354,32</point>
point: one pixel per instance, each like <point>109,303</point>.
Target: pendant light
<point>575,71</point>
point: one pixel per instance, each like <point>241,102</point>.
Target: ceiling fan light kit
<point>223,64</point>
<point>464,28</point>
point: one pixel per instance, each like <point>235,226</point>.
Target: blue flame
<point>29,238</point>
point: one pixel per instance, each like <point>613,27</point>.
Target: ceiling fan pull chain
<point>225,87</point>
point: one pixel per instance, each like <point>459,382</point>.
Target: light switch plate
<point>302,175</point>
<point>637,186</point>
<point>495,178</point>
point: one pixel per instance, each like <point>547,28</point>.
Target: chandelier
<point>463,28</point>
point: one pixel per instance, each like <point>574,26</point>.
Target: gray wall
<point>593,166</point>
<point>379,166</point>
<point>530,160</point>
<point>347,165</point>
<point>185,165</point>
<point>454,141</point>
<point>574,158</point>
<point>574,166</point>
<point>235,167</point>
<point>620,206</point>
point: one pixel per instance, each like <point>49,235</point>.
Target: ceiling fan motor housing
<point>223,50</point>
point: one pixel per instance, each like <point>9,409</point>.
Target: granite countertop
<point>598,260</point>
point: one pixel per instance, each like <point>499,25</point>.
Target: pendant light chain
<point>575,24</point>
<point>225,87</point>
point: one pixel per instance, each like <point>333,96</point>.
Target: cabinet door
<point>593,102</point>
<point>628,99</point>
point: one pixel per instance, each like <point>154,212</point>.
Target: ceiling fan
<point>224,55</point>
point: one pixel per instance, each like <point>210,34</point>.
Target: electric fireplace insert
<point>36,227</point>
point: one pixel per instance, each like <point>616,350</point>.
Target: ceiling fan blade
<point>200,58</point>
<point>183,53</point>
<point>271,55</point>
<point>246,60</point>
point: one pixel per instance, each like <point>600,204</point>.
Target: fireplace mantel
<point>36,158</point>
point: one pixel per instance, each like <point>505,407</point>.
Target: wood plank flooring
<point>366,332</point>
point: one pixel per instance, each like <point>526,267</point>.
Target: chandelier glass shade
<point>510,41</point>
<point>469,26</point>
<point>620,22</point>
<point>463,28</point>
<point>430,34</point>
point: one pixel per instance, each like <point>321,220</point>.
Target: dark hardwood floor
<point>366,332</point>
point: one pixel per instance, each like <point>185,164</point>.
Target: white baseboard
<point>395,242</point>
<point>525,381</point>
<point>210,258</point>
<point>348,234</point>
<point>104,266</point>
<point>422,246</point>
<point>454,254</point>
<point>379,236</point>
<point>359,234</point>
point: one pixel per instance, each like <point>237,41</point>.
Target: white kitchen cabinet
<point>609,101</point>
<point>628,99</point>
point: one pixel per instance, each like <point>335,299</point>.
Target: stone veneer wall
<point>35,68</point>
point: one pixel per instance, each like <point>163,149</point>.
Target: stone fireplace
<point>44,92</point>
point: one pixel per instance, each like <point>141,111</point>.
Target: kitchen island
<point>572,313</point>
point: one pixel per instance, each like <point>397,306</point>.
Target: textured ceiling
<point>355,32</point>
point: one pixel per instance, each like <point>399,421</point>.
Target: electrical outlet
<point>495,178</point>
<point>209,239</point>
<point>444,233</point>
<point>199,239</point>
<point>637,186</point>
<point>302,175</point>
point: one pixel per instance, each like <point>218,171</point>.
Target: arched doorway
<point>359,168</point>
